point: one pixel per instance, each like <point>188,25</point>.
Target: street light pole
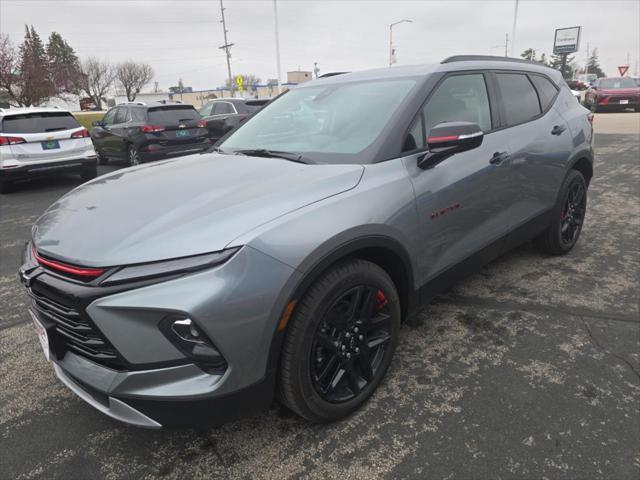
<point>275,16</point>
<point>391,55</point>
<point>513,30</point>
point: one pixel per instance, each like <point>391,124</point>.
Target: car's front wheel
<point>340,341</point>
<point>568,217</point>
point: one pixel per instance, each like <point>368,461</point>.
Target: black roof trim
<point>492,58</point>
<point>332,74</point>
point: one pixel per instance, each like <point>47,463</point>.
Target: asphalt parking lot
<point>528,369</point>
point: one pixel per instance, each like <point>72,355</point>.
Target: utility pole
<point>506,44</point>
<point>226,48</point>
<point>513,30</point>
<point>586,64</point>
<point>275,17</point>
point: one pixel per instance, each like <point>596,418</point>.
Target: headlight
<point>145,271</point>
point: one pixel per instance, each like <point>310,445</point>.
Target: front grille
<point>74,330</point>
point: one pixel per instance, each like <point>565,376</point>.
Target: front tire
<point>340,341</point>
<point>6,186</point>
<point>568,217</point>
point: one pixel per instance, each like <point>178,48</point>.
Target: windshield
<point>39,122</point>
<point>325,123</point>
<point>617,83</point>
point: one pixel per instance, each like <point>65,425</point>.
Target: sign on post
<point>566,40</point>
<point>622,69</point>
<point>239,83</point>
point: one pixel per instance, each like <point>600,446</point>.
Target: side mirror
<point>98,123</point>
<point>449,138</point>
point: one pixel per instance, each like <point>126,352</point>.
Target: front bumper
<point>41,169</point>
<point>237,305</point>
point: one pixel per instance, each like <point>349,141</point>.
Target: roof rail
<point>472,58</point>
<point>132,103</point>
<point>332,74</point>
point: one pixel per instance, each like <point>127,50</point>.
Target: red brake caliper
<point>381,300</point>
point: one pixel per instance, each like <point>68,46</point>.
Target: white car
<point>36,142</point>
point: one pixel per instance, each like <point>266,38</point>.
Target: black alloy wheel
<point>350,343</point>
<point>572,215</point>
<point>567,217</point>
<point>340,341</point>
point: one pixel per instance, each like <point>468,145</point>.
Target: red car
<point>614,93</point>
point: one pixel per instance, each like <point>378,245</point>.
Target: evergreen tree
<point>529,54</point>
<point>556,62</point>
<point>64,66</point>
<point>593,64</point>
<point>34,70</point>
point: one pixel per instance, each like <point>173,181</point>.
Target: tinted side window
<point>222,108</point>
<point>519,98</point>
<point>137,114</point>
<point>121,115</point>
<point>459,98</point>
<point>109,117</point>
<point>546,90</point>
<point>39,122</point>
<point>206,110</point>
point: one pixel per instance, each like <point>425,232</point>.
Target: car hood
<point>619,91</point>
<point>180,207</point>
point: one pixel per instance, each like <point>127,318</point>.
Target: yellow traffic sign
<point>239,82</point>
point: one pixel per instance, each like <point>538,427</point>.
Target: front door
<point>461,201</point>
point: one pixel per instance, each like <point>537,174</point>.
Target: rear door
<point>539,139</point>
<point>461,201</point>
<point>46,135</point>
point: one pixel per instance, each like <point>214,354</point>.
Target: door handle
<point>498,158</point>
<point>558,129</point>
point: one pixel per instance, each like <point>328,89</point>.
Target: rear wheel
<point>568,214</point>
<point>340,341</point>
<point>89,173</point>
<point>133,156</point>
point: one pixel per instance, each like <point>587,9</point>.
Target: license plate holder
<point>41,331</point>
<point>624,102</point>
<point>183,133</point>
<point>50,144</point>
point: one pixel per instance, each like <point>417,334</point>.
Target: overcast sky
<point>181,38</point>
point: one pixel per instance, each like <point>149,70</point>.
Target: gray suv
<point>282,264</point>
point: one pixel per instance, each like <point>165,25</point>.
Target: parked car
<point>37,142</point>
<point>576,85</point>
<point>613,93</point>
<point>225,114</point>
<point>285,262</point>
<point>137,132</point>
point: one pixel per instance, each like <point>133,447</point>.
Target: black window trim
<point>494,109</point>
<point>528,74</point>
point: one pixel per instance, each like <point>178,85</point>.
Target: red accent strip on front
<point>81,272</point>
<point>442,139</point>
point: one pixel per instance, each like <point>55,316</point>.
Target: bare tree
<point>9,78</point>
<point>133,76</point>
<point>98,78</point>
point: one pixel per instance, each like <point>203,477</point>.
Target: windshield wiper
<point>263,152</point>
